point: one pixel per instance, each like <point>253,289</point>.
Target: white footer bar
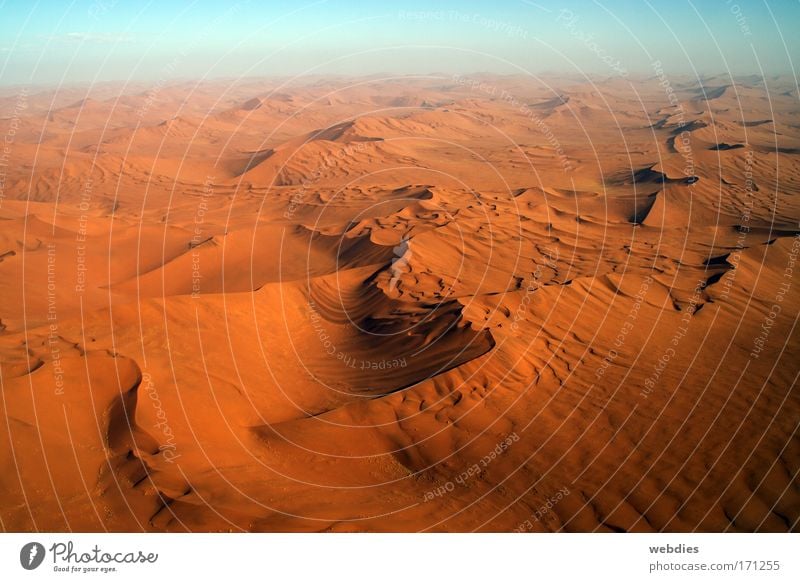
<point>390,557</point>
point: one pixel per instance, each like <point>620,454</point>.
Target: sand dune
<point>402,305</point>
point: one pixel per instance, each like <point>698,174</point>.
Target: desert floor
<point>428,303</point>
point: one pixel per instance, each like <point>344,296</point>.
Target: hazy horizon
<point>94,41</point>
<point>132,86</point>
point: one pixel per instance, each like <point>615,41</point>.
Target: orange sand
<point>435,304</point>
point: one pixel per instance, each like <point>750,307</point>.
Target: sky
<point>57,42</point>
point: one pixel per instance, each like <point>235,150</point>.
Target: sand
<point>439,303</point>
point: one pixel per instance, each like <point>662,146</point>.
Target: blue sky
<point>97,40</point>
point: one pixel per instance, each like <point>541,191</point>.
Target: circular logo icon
<point>31,555</point>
